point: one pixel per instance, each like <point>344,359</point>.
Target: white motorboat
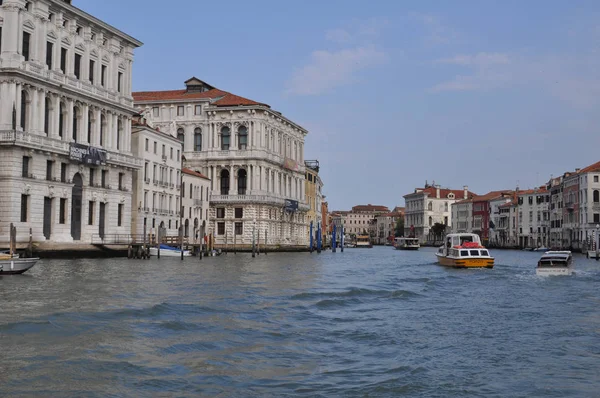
<point>555,263</point>
<point>169,251</point>
<point>13,265</point>
<point>592,254</point>
<point>402,243</point>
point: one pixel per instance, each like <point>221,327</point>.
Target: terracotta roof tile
<point>194,173</point>
<point>220,97</point>
<point>590,168</point>
<point>431,191</point>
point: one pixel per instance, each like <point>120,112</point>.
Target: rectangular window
<point>596,218</point>
<point>103,76</point>
<point>25,168</point>
<point>91,213</point>
<point>24,203</point>
<point>49,53</point>
<point>119,81</point>
<point>171,153</point>
<point>220,212</point>
<point>121,185</point>
<point>220,228</point>
<point>103,178</point>
<point>49,167</point>
<point>198,110</point>
<point>239,228</point>
<point>92,68</point>
<point>595,178</point>
<point>63,172</point>
<point>180,111</point>
<point>77,66</point>
<point>63,60</point>
<point>156,111</point>
<point>147,144</point>
<point>25,49</point>
<point>164,150</point>
<point>155,147</point>
<point>62,211</point>
<point>92,172</point>
<point>120,214</point>
<point>239,212</point>
<point>178,155</point>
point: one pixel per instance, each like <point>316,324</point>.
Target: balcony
<point>234,153</point>
<point>262,199</point>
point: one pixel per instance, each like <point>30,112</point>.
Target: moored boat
<point>403,243</point>
<point>555,263</point>
<point>363,241</point>
<point>464,250</point>
<point>13,265</point>
<point>169,251</point>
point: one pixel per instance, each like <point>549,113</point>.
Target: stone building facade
<point>253,155</point>
<point>65,123</point>
<point>196,204</point>
<point>314,193</point>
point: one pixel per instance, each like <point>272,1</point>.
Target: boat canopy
<point>465,239</point>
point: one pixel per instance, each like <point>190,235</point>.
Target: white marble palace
<point>65,123</point>
<point>253,155</point>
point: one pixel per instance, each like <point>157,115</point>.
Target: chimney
<point>465,192</point>
<point>577,170</point>
<point>437,191</point>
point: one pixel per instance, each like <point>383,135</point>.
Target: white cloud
<point>328,70</point>
<point>480,59</point>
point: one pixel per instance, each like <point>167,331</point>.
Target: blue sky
<point>481,93</point>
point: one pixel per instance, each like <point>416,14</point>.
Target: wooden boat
<point>555,263</point>
<point>464,251</point>
<point>407,243</point>
<point>13,265</point>
<point>363,241</point>
<point>169,251</point>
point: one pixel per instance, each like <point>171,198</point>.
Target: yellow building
<point>314,194</point>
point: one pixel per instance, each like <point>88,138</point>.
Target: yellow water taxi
<point>464,251</point>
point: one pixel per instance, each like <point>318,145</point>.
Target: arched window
<point>242,180</point>
<point>596,196</point>
<point>197,139</point>
<point>47,115</point>
<point>242,137</point>
<point>75,122</point>
<point>430,206</point>
<point>224,182</point>
<point>446,206</point>
<point>225,138</point>
<point>191,190</point>
<point>181,137</point>
<point>119,133</point>
<point>24,109</point>
<point>102,127</point>
<point>61,120</point>
<point>430,221</point>
<point>89,126</point>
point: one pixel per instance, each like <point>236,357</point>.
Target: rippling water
<point>364,323</point>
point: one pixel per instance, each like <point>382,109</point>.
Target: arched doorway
<point>76,197</point>
<point>242,180</point>
<point>224,182</point>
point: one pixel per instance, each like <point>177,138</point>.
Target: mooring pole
<point>311,236</point>
<point>258,243</point>
<point>342,238</point>
<point>265,248</point>
<point>333,242</point>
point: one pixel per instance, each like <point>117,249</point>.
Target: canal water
<point>363,323</point>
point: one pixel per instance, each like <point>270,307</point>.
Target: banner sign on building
<point>87,154</point>
<point>290,164</point>
<point>291,205</point>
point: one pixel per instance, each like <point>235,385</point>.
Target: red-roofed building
<point>426,206</point>
<point>253,156</point>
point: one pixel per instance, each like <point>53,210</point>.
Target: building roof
<point>541,189</point>
<point>216,96</point>
<point>194,173</point>
<point>370,208</point>
<point>431,192</point>
<point>590,168</point>
<point>491,195</point>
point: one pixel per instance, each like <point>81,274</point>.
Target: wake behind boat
<point>464,251</point>
<point>169,251</point>
<point>555,263</point>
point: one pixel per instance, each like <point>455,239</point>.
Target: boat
<point>592,254</point>
<point>541,249</point>
<point>555,263</point>
<point>464,250</point>
<point>169,251</point>
<point>407,243</point>
<point>13,264</point>
<point>363,241</point>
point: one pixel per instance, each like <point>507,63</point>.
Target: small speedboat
<point>13,265</point>
<point>169,251</point>
<point>541,249</point>
<point>555,263</point>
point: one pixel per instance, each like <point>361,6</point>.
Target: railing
<point>121,239</point>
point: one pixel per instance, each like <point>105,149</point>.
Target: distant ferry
<point>464,251</point>
<point>363,241</point>
<point>407,243</point>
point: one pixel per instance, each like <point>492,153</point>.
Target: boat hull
<point>407,248</point>
<point>16,266</point>
<point>552,271</point>
<point>169,253</point>
<point>483,262</point>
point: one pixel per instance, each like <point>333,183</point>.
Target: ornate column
<point>10,36</point>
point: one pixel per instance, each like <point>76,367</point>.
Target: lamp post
<point>253,232</point>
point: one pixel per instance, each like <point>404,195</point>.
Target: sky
<point>489,94</point>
